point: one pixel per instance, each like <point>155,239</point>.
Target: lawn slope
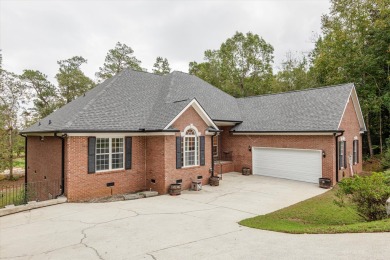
<point>318,215</point>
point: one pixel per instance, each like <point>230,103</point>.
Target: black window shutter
<point>178,152</point>
<point>354,159</point>
<point>345,154</point>
<point>357,151</point>
<point>202,145</point>
<point>128,152</point>
<point>340,156</point>
<point>91,154</point>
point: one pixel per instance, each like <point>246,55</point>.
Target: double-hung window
<point>342,155</point>
<point>190,146</point>
<point>355,151</point>
<point>109,154</point>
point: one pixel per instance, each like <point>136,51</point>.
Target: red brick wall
<point>82,186</point>
<point>226,167</point>
<point>155,163</point>
<point>44,165</point>
<point>191,173</point>
<point>154,157</point>
<point>242,157</point>
<point>350,125</point>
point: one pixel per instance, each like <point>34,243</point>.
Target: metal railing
<point>18,194</point>
<point>224,156</point>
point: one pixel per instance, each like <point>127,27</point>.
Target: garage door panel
<point>295,164</point>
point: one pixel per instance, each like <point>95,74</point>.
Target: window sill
<point>111,171</point>
<point>189,167</point>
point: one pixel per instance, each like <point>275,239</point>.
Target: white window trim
<point>110,154</point>
<point>184,136</point>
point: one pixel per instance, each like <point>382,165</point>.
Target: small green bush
<point>366,194</point>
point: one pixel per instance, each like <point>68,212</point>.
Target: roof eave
<point>102,131</point>
<point>306,132</point>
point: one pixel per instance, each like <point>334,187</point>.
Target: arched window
<point>190,148</point>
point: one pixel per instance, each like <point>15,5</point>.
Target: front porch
<point>223,159</point>
<point>221,167</point>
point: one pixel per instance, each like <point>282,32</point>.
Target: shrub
<point>367,195</point>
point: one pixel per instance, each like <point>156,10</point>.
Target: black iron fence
<point>19,194</point>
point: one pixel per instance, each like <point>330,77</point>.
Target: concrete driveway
<point>195,225</point>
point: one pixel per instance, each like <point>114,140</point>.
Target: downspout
<point>337,154</point>
<point>25,158</point>
<point>25,168</point>
<point>212,154</point>
<point>62,163</point>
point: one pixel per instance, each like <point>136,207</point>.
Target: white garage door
<point>293,164</point>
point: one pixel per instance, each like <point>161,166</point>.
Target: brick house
<point>140,131</point>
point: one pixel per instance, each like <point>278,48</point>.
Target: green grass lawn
<point>318,215</point>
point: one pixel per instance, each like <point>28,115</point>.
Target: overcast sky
<point>35,34</point>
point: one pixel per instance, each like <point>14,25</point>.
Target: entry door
<point>293,164</point>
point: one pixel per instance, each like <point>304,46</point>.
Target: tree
<point>294,75</point>
<point>11,99</point>
<point>354,47</point>
<point>44,93</point>
<point>241,67</point>
<point>161,66</point>
<point>118,59</point>
<point>72,82</point>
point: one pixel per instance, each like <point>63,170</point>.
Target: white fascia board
<point>199,109</point>
<point>211,133</point>
<point>358,110</point>
<point>285,133</point>
<point>224,123</point>
<point>345,108</point>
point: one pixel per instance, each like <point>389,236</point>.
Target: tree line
<point>28,97</point>
<point>353,46</point>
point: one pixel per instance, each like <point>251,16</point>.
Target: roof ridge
<point>142,71</point>
<point>298,90</point>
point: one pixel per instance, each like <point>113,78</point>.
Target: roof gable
<point>199,109</point>
<point>358,110</point>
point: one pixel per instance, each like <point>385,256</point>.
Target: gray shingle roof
<point>318,109</point>
<point>133,100</point>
